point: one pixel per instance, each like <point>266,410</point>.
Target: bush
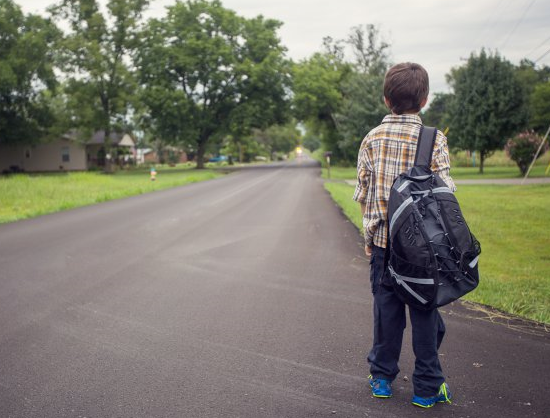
<point>522,149</point>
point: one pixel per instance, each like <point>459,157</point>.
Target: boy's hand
<point>368,250</point>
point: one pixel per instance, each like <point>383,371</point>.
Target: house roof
<point>120,139</point>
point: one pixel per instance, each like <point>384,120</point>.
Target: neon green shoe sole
<point>381,388</point>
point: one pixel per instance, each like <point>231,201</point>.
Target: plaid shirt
<point>387,151</point>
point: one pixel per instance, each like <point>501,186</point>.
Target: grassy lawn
<point>24,196</point>
<point>513,225</point>
<point>498,166</point>
<point>457,173</point>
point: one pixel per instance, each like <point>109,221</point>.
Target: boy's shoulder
<point>374,133</point>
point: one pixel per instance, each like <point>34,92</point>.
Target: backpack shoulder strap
<point>425,146</point>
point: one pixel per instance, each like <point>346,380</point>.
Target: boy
<point>387,151</point>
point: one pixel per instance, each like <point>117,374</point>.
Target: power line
<point>542,56</point>
<point>537,47</point>
<point>517,24</point>
<point>493,19</point>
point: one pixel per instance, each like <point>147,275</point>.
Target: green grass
<point>25,196</point>
<point>457,173</point>
<point>342,194</point>
<point>498,166</point>
<point>513,225</point>
<point>503,172</point>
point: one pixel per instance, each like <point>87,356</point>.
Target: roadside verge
<point>28,195</point>
<point>511,222</point>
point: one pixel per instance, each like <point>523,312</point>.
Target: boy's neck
<point>406,113</point>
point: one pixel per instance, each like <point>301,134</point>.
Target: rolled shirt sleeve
<point>441,163</point>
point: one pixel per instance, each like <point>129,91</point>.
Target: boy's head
<point>406,88</point>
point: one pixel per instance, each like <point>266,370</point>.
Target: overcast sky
<point>435,33</point>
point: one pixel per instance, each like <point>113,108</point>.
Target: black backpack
<point>431,257</point>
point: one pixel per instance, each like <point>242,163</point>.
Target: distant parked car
<point>218,159</point>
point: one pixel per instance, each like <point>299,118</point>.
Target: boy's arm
<point>441,163</point>
<point>363,182</point>
<point>368,248</point>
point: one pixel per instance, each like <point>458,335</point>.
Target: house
<point>122,144</point>
<point>66,153</point>
<point>170,155</point>
<point>62,154</point>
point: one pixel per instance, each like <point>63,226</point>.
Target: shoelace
<point>443,391</point>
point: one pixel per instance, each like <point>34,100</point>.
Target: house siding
<point>44,157</point>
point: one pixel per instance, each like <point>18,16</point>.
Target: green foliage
<point>540,106</point>
<point>341,100</point>
<point>438,113</point>
<point>208,72</point>
<point>281,138</point>
<point>529,75</point>
<point>523,148</point>
<point>244,149</point>
<point>488,106</point>
<point>273,142</point>
<point>362,110</point>
<point>311,142</point>
<point>536,85</point>
<point>342,195</point>
<point>317,87</point>
<point>26,74</point>
<point>95,56</point>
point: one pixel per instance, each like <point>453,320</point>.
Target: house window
<point>65,155</point>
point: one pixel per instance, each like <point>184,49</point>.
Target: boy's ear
<point>387,102</point>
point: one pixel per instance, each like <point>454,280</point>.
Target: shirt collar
<point>408,118</point>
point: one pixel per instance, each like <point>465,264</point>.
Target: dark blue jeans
<point>428,330</point>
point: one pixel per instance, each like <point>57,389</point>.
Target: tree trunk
<point>482,156</point>
<point>200,154</point>
<point>108,169</point>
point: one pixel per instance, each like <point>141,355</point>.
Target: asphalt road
<point>245,296</point>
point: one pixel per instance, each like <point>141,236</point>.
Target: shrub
<point>523,147</point>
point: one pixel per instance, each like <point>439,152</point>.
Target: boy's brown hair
<point>406,86</point>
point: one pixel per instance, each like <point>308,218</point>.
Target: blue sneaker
<point>444,395</point>
<point>381,388</point>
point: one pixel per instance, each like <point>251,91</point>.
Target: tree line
<point>207,80</point>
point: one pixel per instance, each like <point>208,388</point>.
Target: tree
<point>488,106</point>
<point>540,106</point>
<point>438,113</point>
<point>362,109</point>
<point>523,148</point>
<point>26,74</point>
<point>206,73</point>
<point>311,142</point>
<point>536,82</point>
<point>342,100</point>
<point>280,139</point>
<point>318,95</point>
<point>96,57</point>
